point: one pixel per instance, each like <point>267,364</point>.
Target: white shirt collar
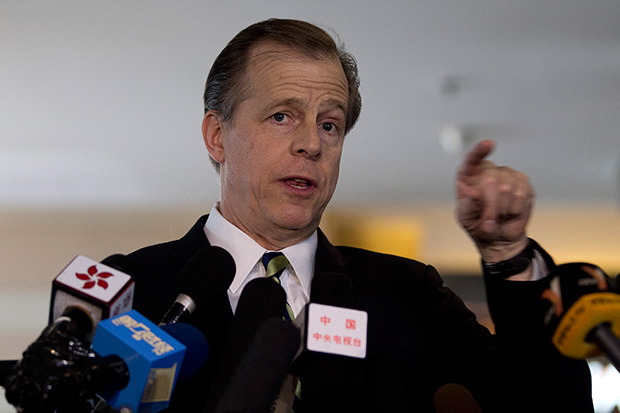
<point>301,257</point>
<point>247,252</point>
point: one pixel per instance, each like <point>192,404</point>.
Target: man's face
<point>280,156</point>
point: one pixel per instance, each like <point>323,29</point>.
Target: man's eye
<point>328,127</point>
<point>279,117</point>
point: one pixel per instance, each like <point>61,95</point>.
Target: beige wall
<point>36,245</point>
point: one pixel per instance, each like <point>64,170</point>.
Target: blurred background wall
<point>101,152</point>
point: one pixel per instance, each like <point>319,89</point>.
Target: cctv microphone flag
<point>98,289</point>
<point>334,330</point>
<point>153,357</point>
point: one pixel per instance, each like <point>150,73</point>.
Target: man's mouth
<point>298,183</point>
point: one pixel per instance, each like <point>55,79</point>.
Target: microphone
<point>197,348</point>
<point>260,300</point>
<point>583,313</point>
<point>197,351</point>
<point>205,277</point>
<point>194,281</point>
<point>96,290</point>
<point>53,372</point>
<point>83,292</point>
<point>133,365</point>
<point>6,368</point>
<point>121,263</point>
<point>455,398</point>
<point>262,369</point>
<point>144,361</point>
<point>323,375</point>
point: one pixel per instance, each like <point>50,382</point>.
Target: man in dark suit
<point>279,100</point>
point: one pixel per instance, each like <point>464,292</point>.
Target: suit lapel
<point>192,242</point>
<point>214,317</point>
<point>328,258</point>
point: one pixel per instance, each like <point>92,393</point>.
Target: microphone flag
<point>335,330</point>
<point>98,289</point>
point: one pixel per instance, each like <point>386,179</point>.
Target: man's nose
<point>307,142</point>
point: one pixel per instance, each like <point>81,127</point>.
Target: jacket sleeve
<point>533,373</point>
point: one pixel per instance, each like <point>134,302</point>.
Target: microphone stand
<point>605,339</point>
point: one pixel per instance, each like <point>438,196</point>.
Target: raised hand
<point>494,204</point>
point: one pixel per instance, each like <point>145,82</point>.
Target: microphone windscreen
<point>455,398</point>
<point>260,300</point>
<point>6,368</point>
<point>262,369</point>
<point>120,262</point>
<point>197,348</point>
<point>207,275</point>
<point>208,272</point>
<point>324,377</point>
<point>578,279</point>
<point>332,288</point>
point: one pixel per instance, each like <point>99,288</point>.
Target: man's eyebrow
<point>337,103</point>
<point>294,101</point>
<point>299,102</point>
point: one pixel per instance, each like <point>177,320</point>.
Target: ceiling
<point>101,101</point>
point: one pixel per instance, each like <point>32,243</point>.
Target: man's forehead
<point>267,51</point>
<point>267,57</point>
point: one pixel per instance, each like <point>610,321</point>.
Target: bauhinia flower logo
<point>93,278</point>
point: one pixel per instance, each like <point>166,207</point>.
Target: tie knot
<point>275,263</point>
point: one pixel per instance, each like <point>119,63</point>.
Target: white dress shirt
<point>247,254</point>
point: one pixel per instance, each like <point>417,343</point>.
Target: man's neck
<point>278,239</point>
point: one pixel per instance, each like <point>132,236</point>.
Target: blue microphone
<point>152,358</point>
<point>197,348</point>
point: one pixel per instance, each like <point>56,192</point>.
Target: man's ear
<point>212,135</point>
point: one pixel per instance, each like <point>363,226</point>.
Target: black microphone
<point>324,379</point>
<point>261,299</point>
<point>333,288</point>
<point>6,368</point>
<point>583,314</point>
<point>52,371</point>
<point>82,294</point>
<point>207,274</point>
<point>132,363</point>
<point>120,262</point>
<point>262,369</point>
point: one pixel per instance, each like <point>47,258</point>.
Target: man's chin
<point>299,222</point>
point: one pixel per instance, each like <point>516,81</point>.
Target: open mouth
<point>298,183</point>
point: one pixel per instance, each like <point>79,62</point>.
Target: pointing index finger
<point>473,159</point>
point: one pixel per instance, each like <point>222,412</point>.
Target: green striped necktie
<point>275,263</point>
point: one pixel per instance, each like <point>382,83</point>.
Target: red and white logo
<point>93,277</point>
<point>336,330</point>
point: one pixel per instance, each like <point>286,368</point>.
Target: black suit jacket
<point>420,334</point>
